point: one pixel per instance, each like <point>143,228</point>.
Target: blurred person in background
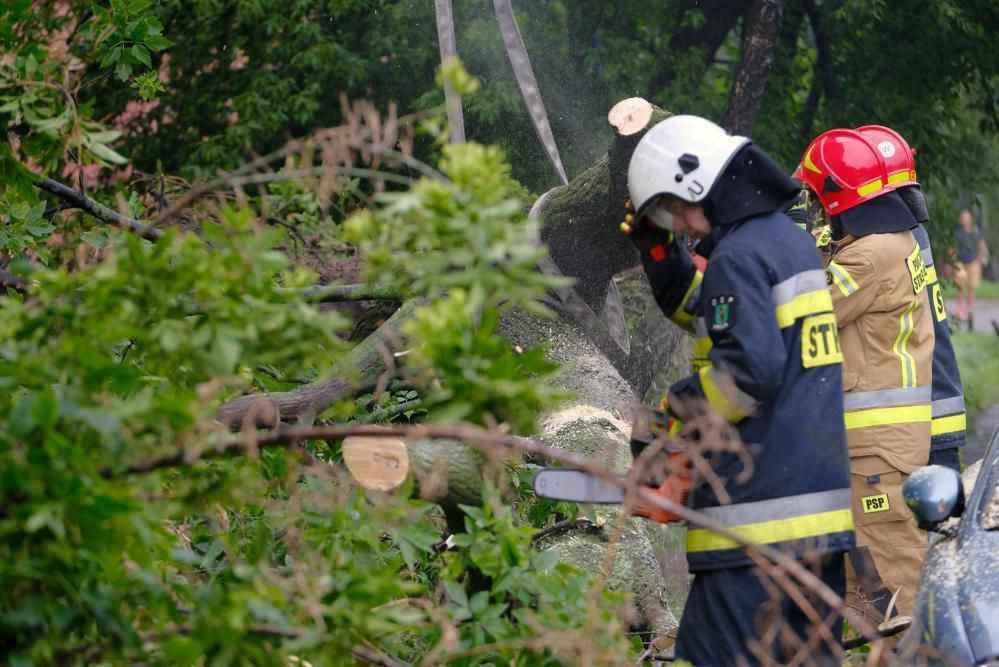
<point>970,250</point>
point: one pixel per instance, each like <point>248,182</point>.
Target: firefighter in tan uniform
<point>877,280</point>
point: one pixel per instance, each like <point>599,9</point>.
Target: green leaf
<point>157,43</point>
<point>141,54</point>
<point>123,70</point>
<point>45,409</point>
<point>456,592</point>
<point>107,154</point>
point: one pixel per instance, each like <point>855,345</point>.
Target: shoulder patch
<point>917,270</point>
<point>722,312</point>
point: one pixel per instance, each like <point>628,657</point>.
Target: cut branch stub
<point>630,116</point>
<point>378,464</point>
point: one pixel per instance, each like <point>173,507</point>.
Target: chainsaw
<point>580,487</point>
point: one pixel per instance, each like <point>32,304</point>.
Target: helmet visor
<point>659,212</point>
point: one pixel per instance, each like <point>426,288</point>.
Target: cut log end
<point>376,463</point>
<point>630,116</point>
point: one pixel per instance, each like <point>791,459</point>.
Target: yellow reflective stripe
<point>803,305</point>
<point>904,333</point>
<point>733,408</point>
<point>884,416</point>
<point>680,316</point>
<point>807,162</point>
<point>842,279</point>
<point>931,274</point>
<point>867,189</point>
<point>900,176</point>
<point>951,424</point>
<point>770,532</point>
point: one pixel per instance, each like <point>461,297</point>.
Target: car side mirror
<point>934,494</point>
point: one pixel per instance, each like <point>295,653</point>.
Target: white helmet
<point>682,156</point>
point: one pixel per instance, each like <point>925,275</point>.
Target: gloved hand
<point>670,269</point>
<point>650,239</point>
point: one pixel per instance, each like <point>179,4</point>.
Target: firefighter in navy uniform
<point>878,284</point>
<point>773,370</point>
<point>947,430</point>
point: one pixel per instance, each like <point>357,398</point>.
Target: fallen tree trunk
<point>581,227</point>
<point>595,424</point>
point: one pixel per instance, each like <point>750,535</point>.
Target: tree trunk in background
<point>824,78</point>
<point>759,41</point>
<point>720,17</point>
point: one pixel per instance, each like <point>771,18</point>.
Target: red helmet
<point>797,175</point>
<point>899,158</point>
<point>844,168</point>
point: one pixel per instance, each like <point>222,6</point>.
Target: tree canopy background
<point>116,352</point>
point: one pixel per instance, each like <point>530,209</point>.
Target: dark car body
<point>957,605</point>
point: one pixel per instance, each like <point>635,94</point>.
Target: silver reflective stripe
<point>779,508</point>
<point>927,256</point>
<point>846,283</point>
<point>945,407</point>
<point>726,385</point>
<point>883,398</point>
<point>700,328</point>
<point>806,281</point>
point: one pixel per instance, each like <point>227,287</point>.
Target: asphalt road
<point>986,312</point>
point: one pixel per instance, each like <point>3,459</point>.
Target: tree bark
<point>581,227</point>
<point>596,425</point>
<point>759,41</point>
<point>720,17</point>
<point>824,62</point>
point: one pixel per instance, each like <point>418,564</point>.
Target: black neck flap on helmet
<point>882,215</point>
<point>752,184</point>
<point>913,198</point>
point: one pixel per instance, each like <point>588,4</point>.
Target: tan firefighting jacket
<point>878,288</point>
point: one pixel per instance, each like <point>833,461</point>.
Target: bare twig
<point>98,210</point>
<point>580,523</point>
<point>274,220</point>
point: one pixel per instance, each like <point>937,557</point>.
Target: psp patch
<point>722,312</point>
<point>878,503</point>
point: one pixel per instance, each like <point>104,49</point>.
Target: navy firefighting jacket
<point>773,368</point>
<point>949,417</point>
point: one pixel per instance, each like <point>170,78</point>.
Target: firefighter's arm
<point>747,356</point>
<point>675,281</point>
<point>853,285</point>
